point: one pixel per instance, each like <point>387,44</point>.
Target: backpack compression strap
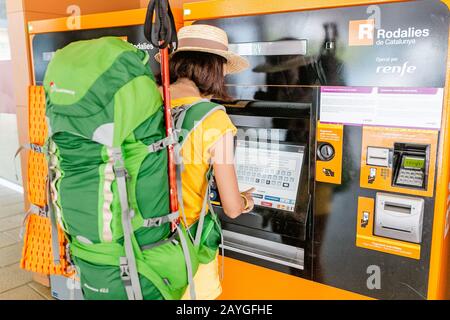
<point>128,268</point>
<point>216,221</point>
<point>28,146</point>
<point>51,167</point>
<point>201,220</point>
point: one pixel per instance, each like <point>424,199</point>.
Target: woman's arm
<point>222,155</point>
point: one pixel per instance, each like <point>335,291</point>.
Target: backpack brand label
<point>98,290</point>
<point>54,88</point>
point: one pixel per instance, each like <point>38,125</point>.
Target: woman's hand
<point>234,203</point>
<point>250,204</point>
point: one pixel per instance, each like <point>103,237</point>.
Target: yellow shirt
<point>196,157</point>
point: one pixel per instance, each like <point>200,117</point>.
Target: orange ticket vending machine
<point>351,99</point>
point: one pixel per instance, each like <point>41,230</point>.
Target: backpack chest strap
<point>157,222</point>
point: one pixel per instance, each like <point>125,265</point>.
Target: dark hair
<point>206,70</point>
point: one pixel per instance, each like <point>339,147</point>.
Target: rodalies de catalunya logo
<point>364,33</point>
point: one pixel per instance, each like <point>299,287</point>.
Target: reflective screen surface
<point>273,169</point>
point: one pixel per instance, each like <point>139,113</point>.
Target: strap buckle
<point>177,111</point>
<point>68,256</point>
<point>158,221</point>
<point>36,148</point>
<point>125,270</point>
<point>150,223</point>
<point>43,211</point>
<point>164,143</point>
<point>40,211</point>
<point>157,146</point>
<point>119,164</point>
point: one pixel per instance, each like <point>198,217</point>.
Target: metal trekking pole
<point>162,34</point>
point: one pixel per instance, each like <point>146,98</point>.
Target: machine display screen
<point>273,170</point>
<point>413,163</point>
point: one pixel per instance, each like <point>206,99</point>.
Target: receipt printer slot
<point>378,157</point>
<point>399,217</point>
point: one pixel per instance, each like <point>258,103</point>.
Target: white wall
<point>8,146</point>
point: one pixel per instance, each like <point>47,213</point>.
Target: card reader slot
<point>397,207</point>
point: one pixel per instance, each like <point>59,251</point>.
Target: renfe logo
<point>361,33</point>
<point>401,70</point>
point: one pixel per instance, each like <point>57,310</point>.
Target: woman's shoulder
<point>218,119</point>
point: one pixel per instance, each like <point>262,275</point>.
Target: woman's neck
<point>184,87</point>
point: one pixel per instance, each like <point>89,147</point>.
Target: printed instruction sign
<point>382,106</point>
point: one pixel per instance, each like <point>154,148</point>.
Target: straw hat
<point>205,38</point>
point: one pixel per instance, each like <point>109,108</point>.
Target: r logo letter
<point>361,33</point>
<point>365,31</point>
<point>374,280</point>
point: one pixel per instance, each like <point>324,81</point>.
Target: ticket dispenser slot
<point>410,165</point>
<point>399,217</point>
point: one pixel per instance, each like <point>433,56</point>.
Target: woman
<point>197,71</point>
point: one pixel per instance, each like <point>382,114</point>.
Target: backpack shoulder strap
<point>191,116</point>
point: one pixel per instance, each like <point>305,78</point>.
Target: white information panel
<point>273,170</point>
<point>393,107</point>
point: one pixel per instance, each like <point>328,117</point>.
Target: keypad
<point>265,176</point>
<point>410,177</point>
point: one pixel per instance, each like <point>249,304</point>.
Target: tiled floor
<point>15,283</point>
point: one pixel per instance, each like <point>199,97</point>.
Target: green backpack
<point>108,179</point>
